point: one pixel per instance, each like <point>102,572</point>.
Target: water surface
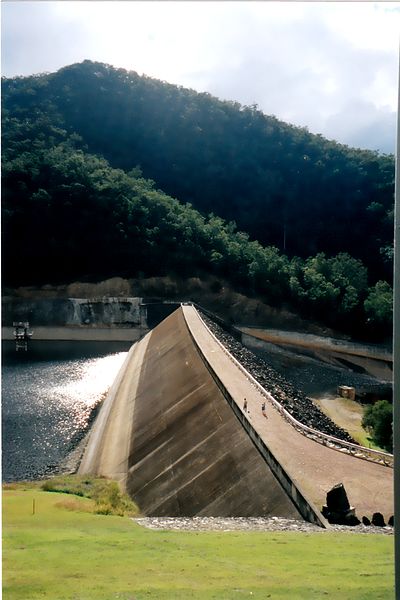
<point>49,394</point>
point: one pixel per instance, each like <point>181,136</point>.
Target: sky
<point>329,66</point>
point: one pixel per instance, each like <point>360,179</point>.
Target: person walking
<point>263,410</point>
<point>245,405</point>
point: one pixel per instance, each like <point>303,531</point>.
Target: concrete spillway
<point>168,434</point>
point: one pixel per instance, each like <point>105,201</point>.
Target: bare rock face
<point>337,509</point>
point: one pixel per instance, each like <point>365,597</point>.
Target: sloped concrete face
<point>188,454</point>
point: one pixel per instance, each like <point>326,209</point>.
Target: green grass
<point>108,500</point>
<point>347,414</point>
<point>66,552</point>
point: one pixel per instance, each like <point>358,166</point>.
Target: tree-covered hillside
<point>80,145</point>
<point>281,184</point>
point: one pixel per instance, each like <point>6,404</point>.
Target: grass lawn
<point>66,552</point>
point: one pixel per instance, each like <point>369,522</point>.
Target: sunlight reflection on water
<point>94,376</point>
<point>46,408</point>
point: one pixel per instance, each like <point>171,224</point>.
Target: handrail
<point>325,439</point>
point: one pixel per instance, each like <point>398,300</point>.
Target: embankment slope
<point>169,436</point>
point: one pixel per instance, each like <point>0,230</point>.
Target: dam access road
<point>169,435</point>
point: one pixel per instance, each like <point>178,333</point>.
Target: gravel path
<point>249,524</point>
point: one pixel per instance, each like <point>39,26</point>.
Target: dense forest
<point>106,172</point>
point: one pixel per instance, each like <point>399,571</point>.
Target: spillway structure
<point>172,431</point>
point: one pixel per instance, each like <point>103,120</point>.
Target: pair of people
<point>263,410</point>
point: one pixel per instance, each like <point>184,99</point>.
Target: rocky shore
<point>275,524</point>
<point>291,398</point>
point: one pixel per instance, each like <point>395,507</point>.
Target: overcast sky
<point>329,66</point>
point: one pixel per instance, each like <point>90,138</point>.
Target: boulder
<point>378,520</point>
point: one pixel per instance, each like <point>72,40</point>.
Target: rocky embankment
<point>291,398</point>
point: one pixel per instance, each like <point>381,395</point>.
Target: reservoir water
<point>49,395</point>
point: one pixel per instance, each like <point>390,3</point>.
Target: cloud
<point>34,40</point>
<point>361,124</point>
<point>303,72</point>
<point>329,66</point>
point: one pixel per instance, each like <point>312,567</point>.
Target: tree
<point>379,304</point>
<point>378,420</point>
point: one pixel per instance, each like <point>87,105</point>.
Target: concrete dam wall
<point>173,433</point>
<point>169,436</point>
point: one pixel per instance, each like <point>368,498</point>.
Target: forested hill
<point>79,148</point>
<point>281,184</point>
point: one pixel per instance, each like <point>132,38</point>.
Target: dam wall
<point>292,488</point>
<point>179,450</point>
<point>316,467</point>
<point>176,437</point>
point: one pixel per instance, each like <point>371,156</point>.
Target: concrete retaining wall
<point>302,340</point>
